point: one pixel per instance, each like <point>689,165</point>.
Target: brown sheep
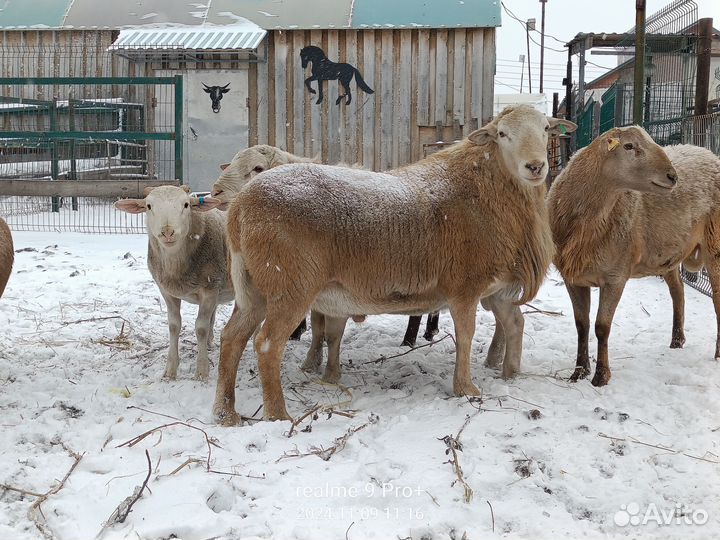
<point>340,240</point>
<point>7,255</point>
<point>623,208</point>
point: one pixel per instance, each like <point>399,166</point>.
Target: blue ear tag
<point>202,200</point>
<point>563,129</point>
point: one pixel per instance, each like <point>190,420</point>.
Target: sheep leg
<point>211,331</point>
<point>206,312</point>
<point>298,332</point>
<point>463,315</point>
<point>174,325</point>
<point>609,298</point>
<point>334,330</point>
<point>269,346</point>
<point>314,357</point>
<point>431,325</point>
<point>512,324</point>
<point>677,294</point>
<point>713,270</point>
<point>233,340</point>
<point>496,352</point>
<point>411,332</point>
<point>580,298</point>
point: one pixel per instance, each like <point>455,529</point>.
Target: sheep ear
<point>204,204</point>
<point>560,126</point>
<point>186,189</point>
<point>484,135</point>
<point>224,166</point>
<point>147,191</point>
<point>131,206</point>
<point>612,143</point>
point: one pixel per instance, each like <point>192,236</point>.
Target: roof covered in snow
<point>268,14</point>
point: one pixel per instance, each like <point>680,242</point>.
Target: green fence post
<point>54,166</point>
<point>179,128</point>
<point>73,161</point>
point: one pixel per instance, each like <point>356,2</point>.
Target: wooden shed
<point>430,64</point>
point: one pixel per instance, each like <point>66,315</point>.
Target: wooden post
<point>702,80</point>
<point>639,82</point>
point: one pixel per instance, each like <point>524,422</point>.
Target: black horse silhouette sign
<point>216,94</point>
<point>324,69</point>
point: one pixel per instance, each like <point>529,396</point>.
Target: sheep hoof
<point>227,417</point>
<point>311,364</point>
<point>580,372</point>
<point>467,388</point>
<point>677,342</point>
<point>202,377</point>
<point>169,376</point>
<point>508,372</point>
<point>602,377</point>
<point>332,377</point>
<point>278,415</point>
<point>493,361</point>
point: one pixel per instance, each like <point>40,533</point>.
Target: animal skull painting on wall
<point>216,94</point>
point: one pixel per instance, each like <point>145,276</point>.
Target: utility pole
<point>529,25</point>
<point>702,79</point>
<point>542,44</point>
<point>639,62</point>
<point>522,71</point>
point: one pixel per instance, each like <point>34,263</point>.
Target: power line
<point>524,25</point>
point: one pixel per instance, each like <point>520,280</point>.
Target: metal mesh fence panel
<point>74,112</point>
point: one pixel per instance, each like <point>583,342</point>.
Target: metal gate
<point>80,142</point>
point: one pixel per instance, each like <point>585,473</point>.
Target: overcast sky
<point>563,20</point>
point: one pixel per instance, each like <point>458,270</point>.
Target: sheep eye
<point>149,207</point>
<point>187,204</point>
<point>547,128</point>
<point>628,146</point>
<point>258,169</point>
<point>502,134</point>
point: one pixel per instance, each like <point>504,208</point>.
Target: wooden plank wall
<point>422,79</point>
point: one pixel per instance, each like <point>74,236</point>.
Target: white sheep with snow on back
<point>187,259</point>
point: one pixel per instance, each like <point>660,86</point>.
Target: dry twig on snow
<point>35,513</point>
<point>338,444</point>
<point>453,447</point>
<point>411,349</point>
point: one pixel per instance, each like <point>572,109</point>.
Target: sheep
<point>623,208</point>
<point>244,166</point>
<point>466,223</point>
<point>7,255</point>
<point>187,257</point>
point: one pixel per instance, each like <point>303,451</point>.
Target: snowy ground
<point>82,339</point>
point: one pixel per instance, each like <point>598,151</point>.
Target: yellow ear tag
<point>613,143</point>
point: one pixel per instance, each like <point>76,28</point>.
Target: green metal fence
<point>104,130</point>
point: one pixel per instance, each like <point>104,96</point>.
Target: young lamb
<point>7,255</point>
<point>466,223</point>
<point>623,208</point>
<point>187,258</point>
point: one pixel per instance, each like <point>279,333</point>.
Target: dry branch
<point>315,412</point>
<point>660,447</point>
<point>210,441</point>
<point>34,513</point>
<point>453,447</point>
<point>338,444</point>
<point>411,349</point>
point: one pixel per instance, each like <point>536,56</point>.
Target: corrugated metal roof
<point>245,36</point>
<point>35,14</point>
<point>268,14</point>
